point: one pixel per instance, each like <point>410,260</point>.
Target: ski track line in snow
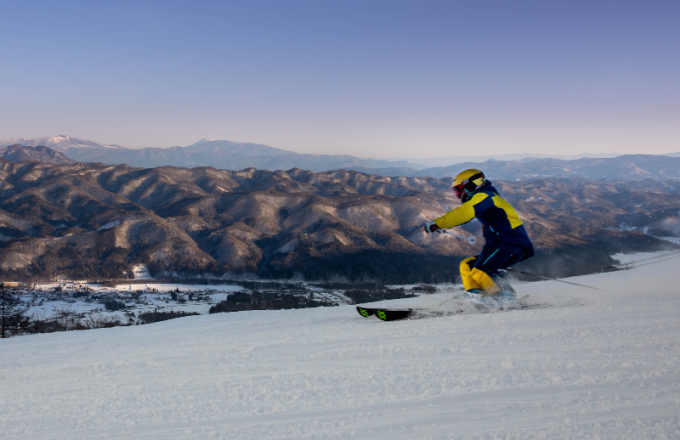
<point>589,365</point>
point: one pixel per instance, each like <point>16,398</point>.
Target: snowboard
<point>384,314</point>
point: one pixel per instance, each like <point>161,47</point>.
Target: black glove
<point>430,227</point>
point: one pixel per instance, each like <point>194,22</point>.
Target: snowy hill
<point>61,143</point>
<point>595,364</point>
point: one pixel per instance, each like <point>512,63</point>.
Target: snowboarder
<point>507,242</point>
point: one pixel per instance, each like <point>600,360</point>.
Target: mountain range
<point>434,162</point>
<point>235,156</point>
<point>95,221</point>
<point>206,152</point>
<point>230,155</point>
<point>625,167</point>
<point>20,153</point>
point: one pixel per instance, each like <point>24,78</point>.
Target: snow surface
<point>593,365</point>
<point>159,300</point>
<point>141,272</point>
<point>675,240</point>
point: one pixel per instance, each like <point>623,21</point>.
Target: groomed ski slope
<point>594,365</point>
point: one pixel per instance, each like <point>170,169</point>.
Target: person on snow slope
<point>507,242</point>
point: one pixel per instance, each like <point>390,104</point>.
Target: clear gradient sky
<point>370,78</point>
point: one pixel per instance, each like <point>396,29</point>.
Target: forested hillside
<point>96,221</point>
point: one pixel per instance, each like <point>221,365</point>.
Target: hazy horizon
<point>379,79</point>
<point>416,160</point>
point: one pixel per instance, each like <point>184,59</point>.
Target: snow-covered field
<point>152,301</point>
<point>594,365</point>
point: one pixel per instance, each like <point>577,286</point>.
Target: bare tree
<point>12,313</point>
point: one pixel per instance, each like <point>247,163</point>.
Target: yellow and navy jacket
<point>500,221</point>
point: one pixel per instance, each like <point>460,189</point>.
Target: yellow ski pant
<point>474,278</point>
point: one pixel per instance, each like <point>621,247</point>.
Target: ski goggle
<point>460,189</point>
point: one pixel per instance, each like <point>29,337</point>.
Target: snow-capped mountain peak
<point>202,141</point>
<point>61,143</point>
